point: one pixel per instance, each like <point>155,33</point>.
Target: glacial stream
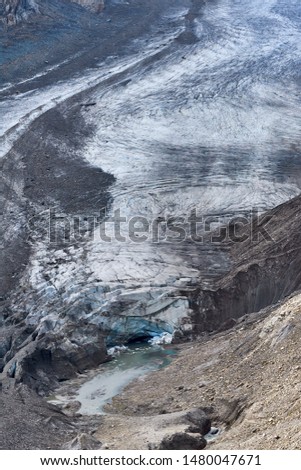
<point>94,392</point>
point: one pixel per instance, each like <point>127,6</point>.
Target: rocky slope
<point>247,380</point>
<point>266,268</point>
<point>29,422</point>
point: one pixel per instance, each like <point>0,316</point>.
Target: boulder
<point>200,422</point>
<point>183,441</point>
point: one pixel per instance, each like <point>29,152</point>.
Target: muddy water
<point>111,378</point>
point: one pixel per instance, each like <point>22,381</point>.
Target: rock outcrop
<point>200,422</point>
<point>46,358</point>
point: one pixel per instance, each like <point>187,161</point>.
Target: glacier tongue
<point>206,125</point>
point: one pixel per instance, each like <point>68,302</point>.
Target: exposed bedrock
<point>48,357</point>
<point>266,269</point>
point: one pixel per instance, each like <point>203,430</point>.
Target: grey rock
<point>93,5</point>
<point>72,408</point>
<point>183,441</point>
<point>11,372</point>
<point>57,356</point>
<point>200,421</point>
